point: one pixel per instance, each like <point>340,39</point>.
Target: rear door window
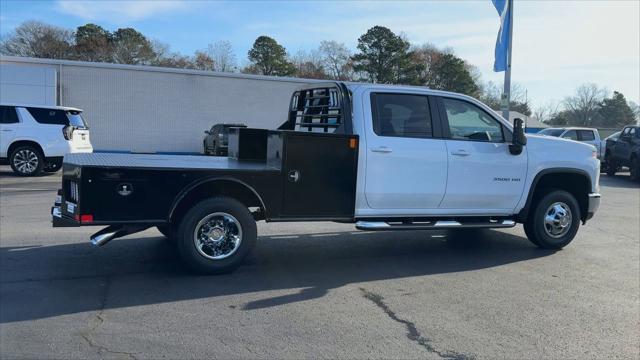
<point>586,135</point>
<point>401,115</point>
<point>8,115</point>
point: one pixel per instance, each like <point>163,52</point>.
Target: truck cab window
<point>571,135</point>
<point>468,122</point>
<point>586,135</point>
<point>401,115</point>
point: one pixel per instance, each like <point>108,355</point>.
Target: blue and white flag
<point>502,42</point>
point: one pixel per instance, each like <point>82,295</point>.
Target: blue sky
<point>558,45</point>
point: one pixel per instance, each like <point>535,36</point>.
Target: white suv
<point>35,138</point>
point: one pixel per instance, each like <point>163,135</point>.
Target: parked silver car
<point>582,134</point>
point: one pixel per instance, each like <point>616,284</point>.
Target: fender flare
<point>524,213</point>
<point>189,188</point>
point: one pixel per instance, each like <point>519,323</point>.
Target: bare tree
<point>544,113</point>
<point>336,59</point>
<point>37,39</point>
<point>585,104</point>
<point>224,60</point>
<point>202,61</point>
<point>309,65</point>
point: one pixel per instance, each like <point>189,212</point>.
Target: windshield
<point>551,132</point>
<point>75,119</point>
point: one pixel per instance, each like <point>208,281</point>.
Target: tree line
<point>590,106</point>
<point>381,56</point>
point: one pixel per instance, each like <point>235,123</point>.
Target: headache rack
<point>322,108</point>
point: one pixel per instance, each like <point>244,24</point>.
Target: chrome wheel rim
<point>25,161</point>
<point>217,236</point>
<point>558,220</point>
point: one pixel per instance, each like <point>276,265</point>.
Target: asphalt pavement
<point>320,290</point>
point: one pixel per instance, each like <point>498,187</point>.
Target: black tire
<point>537,229</point>
<point>634,169</point>
<point>186,234</point>
<point>610,165</point>
<point>26,160</point>
<point>52,166</point>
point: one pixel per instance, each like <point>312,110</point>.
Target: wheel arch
<point>211,187</point>
<point>575,181</point>
<point>24,142</point>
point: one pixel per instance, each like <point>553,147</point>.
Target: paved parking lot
<point>320,290</point>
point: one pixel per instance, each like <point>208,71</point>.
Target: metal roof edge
<point>29,60</point>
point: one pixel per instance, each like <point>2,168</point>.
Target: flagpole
<point>506,94</point>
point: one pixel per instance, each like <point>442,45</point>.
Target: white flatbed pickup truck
<point>380,157</point>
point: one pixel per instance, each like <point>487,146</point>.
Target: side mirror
<point>519,139</point>
<point>207,132</point>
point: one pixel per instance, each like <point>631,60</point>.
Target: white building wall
<point>148,109</point>
<point>28,84</point>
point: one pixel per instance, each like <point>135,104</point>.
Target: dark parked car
<point>217,140</point>
<point>625,152</point>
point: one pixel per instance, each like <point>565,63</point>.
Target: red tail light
<point>86,218</point>
<point>67,131</point>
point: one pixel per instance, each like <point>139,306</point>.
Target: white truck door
<point>406,168</point>
<point>483,174</point>
<point>9,123</point>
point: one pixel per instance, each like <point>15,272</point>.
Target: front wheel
<point>216,235</point>
<point>555,220</point>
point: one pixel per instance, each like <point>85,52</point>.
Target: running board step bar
<point>433,225</point>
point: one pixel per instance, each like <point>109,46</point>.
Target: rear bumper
<point>58,219</point>
<point>593,205</point>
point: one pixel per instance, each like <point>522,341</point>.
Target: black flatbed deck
<point>304,176</point>
<point>165,162</point>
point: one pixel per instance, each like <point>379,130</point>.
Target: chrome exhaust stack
<point>115,231</point>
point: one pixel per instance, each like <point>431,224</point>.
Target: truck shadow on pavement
<point>42,282</point>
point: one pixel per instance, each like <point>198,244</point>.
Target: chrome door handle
<point>382,149</point>
<point>460,153</point>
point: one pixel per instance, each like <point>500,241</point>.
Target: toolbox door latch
<point>294,176</point>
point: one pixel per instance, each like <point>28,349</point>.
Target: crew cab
<point>34,138</point>
<point>625,151</point>
<point>381,157</point>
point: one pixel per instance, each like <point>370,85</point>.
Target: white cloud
<point>119,11</point>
